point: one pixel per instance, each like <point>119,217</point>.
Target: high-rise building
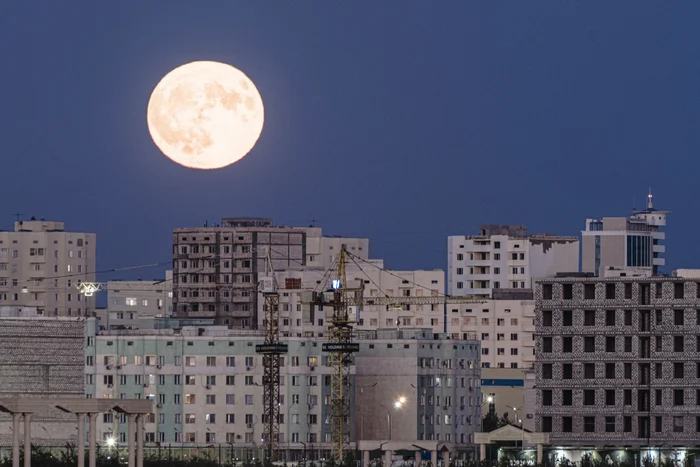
<point>617,362</point>
<point>216,269</point>
<point>633,243</point>
<point>40,265</point>
<point>506,257</point>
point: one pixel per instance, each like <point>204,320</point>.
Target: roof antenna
<point>634,204</point>
<point>649,204</point>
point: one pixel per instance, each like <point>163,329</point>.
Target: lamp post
<point>522,430</point>
<point>398,403</point>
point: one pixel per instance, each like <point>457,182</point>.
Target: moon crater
<point>205,115</point>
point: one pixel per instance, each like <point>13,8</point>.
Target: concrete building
<point>418,385</point>
<point>216,269</point>
<point>617,362</point>
<point>40,264</point>
<point>506,257</point>
<point>632,243</point>
<point>505,328</point>
<point>299,319</point>
<point>127,301</point>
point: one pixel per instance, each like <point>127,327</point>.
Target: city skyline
<point>524,111</point>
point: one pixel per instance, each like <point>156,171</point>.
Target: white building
<point>299,320</point>
<point>40,266</point>
<point>506,257</point>
<point>129,300</point>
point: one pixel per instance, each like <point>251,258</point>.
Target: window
<point>567,318</point>
<point>678,397</point>
<point>546,291</point>
<point>567,397</point>
<point>589,318</point>
<point>678,370</point>
<point>567,344</point>
<point>589,344</point>
<point>589,370</point>
<point>610,424</point>
<point>610,291</point>
<point>610,344</point>
<point>609,397</point>
<point>547,344</point>
<point>546,371</point>
<point>589,424</point>
<point>568,291</point>
<point>589,291</point>
<point>567,424</point>
<point>628,343</point>
<point>678,424</point>
<point>546,317</point>
<point>546,397</point>
<point>546,424</point>
<point>628,317</point>
<point>678,343</point>
<point>589,397</point>
<point>567,371</point>
<point>609,371</point>
<point>610,317</point>
<point>678,316</point>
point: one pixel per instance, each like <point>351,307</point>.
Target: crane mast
<point>271,351</point>
<point>340,349</point>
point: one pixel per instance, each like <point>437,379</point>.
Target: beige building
<point>40,266</point>
<point>216,269</point>
<point>633,243</point>
<point>129,300</point>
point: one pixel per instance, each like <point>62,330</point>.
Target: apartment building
<point>505,328</point>
<point>40,265</point>
<point>617,361</point>
<point>127,301</point>
<point>417,385</point>
<point>506,257</point>
<point>206,384</point>
<point>302,319</point>
<point>634,243</point>
<point>216,269</point>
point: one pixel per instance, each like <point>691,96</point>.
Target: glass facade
<point>638,250</point>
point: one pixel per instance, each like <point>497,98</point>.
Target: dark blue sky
<point>404,121</point>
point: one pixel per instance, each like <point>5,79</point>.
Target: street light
<point>522,430</point>
<point>398,403</point>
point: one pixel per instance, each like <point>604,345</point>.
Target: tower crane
<point>271,351</point>
<point>341,345</point>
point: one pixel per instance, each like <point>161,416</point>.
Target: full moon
<point>205,115</point>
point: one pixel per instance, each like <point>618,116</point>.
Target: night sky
<point>404,121</point>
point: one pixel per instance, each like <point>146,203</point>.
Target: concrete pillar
<point>139,440</point>
<point>92,439</point>
<point>15,439</point>
<point>418,458</point>
<point>365,458</point>
<point>387,457</point>
<point>539,453</point>
<point>27,440</point>
<point>433,458</point>
<point>482,453</point>
<point>131,420</point>
<point>81,440</point>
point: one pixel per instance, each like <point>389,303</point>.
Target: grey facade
<point>216,269</point>
<point>436,378</point>
<point>618,361</point>
<point>43,358</point>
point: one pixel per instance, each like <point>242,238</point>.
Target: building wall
<point>504,257</point>
<point>642,312</point>
<point>43,358</point>
<point>216,269</point>
<point>176,366</point>
<point>40,265</point>
<point>128,300</point>
<point>438,377</point>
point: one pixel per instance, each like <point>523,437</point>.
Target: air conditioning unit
<point>159,405</point>
<point>110,385</point>
<point>145,385</point>
<point>444,407</point>
<point>207,387</point>
<point>529,415</point>
<point>249,425</point>
<point>109,367</point>
<point>119,367</point>
<point>248,368</point>
<point>313,368</point>
<point>159,367</point>
<point>461,407</point>
<point>239,436</point>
